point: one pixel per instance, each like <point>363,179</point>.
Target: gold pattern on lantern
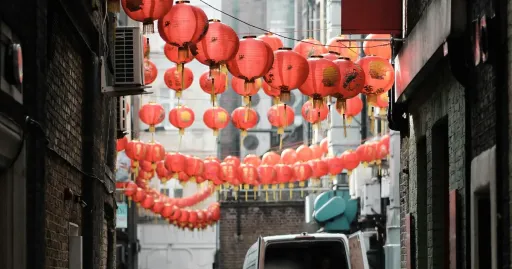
<point>329,76</point>
<point>377,70</point>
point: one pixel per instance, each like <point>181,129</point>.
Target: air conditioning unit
<point>128,64</point>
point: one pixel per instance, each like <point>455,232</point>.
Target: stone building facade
<point>454,185</point>
<point>60,186</point>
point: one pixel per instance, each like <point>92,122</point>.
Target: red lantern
<point>274,93</point>
<point>345,48</point>
<point>253,160</point>
<point>288,156</point>
<point>335,165</point>
<point>213,82</point>
<point>280,116</point>
<point>218,46</point>
<point>352,108</point>
<point>246,89</point>
<point>150,72</point>
<point>319,168</point>
<point>172,54</point>
<point>148,201</point>
<point>183,177</point>
<point>309,47</point>
<point>244,118</point>
<point>183,26</point>
<point>267,175</point>
<point>146,11</point>
<point>379,75</point>
<point>145,165</point>
<point>385,140</point>
<point>194,167</point>
<point>323,78</point>
<point>272,40</point>
<point>177,82</point>
<point>232,159</point>
<point>378,48</point>
<point>324,144</point>
<point>121,143</point>
<point>175,163</point>
<point>152,114</point>
<point>331,56</point>
<point>284,174</point>
<point>181,117</point>
<point>302,172</point>
<point>162,172</point>
<point>317,151</point>
<point>216,118</point>
<point>271,158</point>
<point>289,71</point>
<point>212,158</point>
<point>381,152</point>
<point>314,115</point>
<point>230,173</point>
<point>213,171</point>
<point>130,189</point>
<point>352,81</point>
<point>139,195</point>
<point>253,60</point>
<point>367,153</point>
<point>304,153</point>
<point>136,150</point>
<point>249,175</point>
<point>155,152</point>
<point>215,210</point>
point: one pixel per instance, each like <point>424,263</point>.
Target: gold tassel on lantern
<point>344,125</point>
<point>265,188</point>
<point>290,186</point>
<point>281,187</point>
<point>113,6</point>
<point>235,193</point>
<point>302,184</point>
<point>255,189</point>
<point>274,189</point>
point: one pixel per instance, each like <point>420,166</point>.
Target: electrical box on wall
<point>371,17</point>
<point>75,247</point>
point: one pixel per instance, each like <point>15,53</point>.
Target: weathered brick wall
<point>404,197</point>
<point>255,219</point>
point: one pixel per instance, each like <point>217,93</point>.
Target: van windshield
<point>315,254</point>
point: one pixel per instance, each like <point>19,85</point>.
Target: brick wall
<point>255,219</point>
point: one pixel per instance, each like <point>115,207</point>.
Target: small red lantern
<point>288,156</point>
<point>216,118</point>
<point>309,47</point>
<point>323,78</point>
<point>250,52</point>
<point>319,168</point>
<point>253,160</point>
<point>378,48</point>
<point>152,114</point>
<point>121,143</point>
<point>175,163</point>
<point>148,201</point>
<point>249,175</point>
<point>218,46</point>
<point>385,140</point>
<point>162,172</point>
<point>353,107</point>
<point>178,83</point>
<point>155,152</point>
<point>331,56</point>
<point>274,93</point>
<point>139,195</point>
<point>335,165</point>
<point>150,72</point>
<point>280,116</point>
<point>194,167</point>
<point>324,144</point>
<point>343,47</point>
<point>181,117</point>
<point>213,171</point>
<point>213,82</point>
<point>284,174</point>
<point>379,75</point>
<point>232,159</point>
<point>130,189</point>
<point>271,158</point>
<point>289,71</point>
<point>272,40</point>
<point>230,173</point>
<point>317,151</point>
<point>314,115</point>
<point>367,153</point>
<point>304,153</point>
<point>246,89</point>
<point>302,172</point>
<point>172,54</point>
<point>351,83</point>
<point>146,11</point>
<point>244,118</point>
<point>136,150</point>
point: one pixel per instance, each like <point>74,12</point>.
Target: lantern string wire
<point>291,38</point>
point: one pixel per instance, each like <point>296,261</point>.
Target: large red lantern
<point>253,60</point>
<point>152,114</point>
<point>246,89</point>
<point>175,163</point>
<point>271,158</point>
<point>309,47</point>
<point>136,150</point>
<point>378,48</point>
<point>183,26</point>
<point>181,117</point>
<point>272,40</point>
<point>379,75</point>
<point>194,167</point>
<point>323,78</point>
<point>288,72</point>
<point>150,72</point>
<point>216,118</point>
<point>352,108</point>
<point>219,45</point>
<point>244,118</point>
<point>172,54</point>
<point>213,82</point>
<point>304,153</point>
<point>146,11</point>
<point>344,47</point>
<point>288,156</point>
<point>314,115</point>
<point>177,82</point>
<point>352,81</point>
<point>155,152</point>
<point>280,116</point>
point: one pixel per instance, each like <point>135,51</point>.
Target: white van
<point>306,251</point>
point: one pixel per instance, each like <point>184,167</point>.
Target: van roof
<point>294,236</point>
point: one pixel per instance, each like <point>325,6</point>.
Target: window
<point>178,193</point>
<point>165,191</point>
